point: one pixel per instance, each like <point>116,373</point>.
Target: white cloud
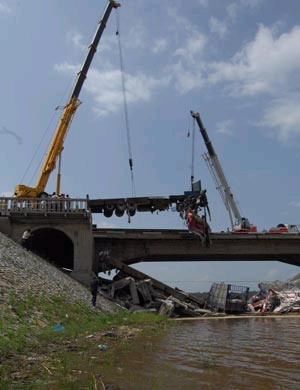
<point>295,203</point>
<point>218,27</point>
<point>159,45</point>
<point>193,46</point>
<point>251,3</point>
<point>185,79</point>
<point>105,87</point>
<point>191,41</point>
<point>185,72</point>
<point>265,65</point>
<point>203,3</point>
<point>283,116</point>
<point>224,127</point>
<point>233,8</point>
<point>4,8</point>
<point>76,39</point>
<point>66,67</point>
<point>137,38</point>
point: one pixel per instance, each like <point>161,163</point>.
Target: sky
<point>236,62</point>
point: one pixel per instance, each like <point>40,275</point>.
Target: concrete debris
<point>277,297</point>
<point>273,297</point>
<point>146,295</point>
<point>293,282</point>
<point>272,301</point>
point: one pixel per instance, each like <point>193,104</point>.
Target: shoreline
<point>231,317</point>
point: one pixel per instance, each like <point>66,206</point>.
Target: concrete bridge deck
<point>136,245</point>
<point>62,232</point>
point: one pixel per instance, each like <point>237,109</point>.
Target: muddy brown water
<point>250,353</point>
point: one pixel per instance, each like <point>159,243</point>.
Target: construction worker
<point>25,237</point>
<point>94,289</point>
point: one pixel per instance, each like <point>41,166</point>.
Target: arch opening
<point>54,246</point>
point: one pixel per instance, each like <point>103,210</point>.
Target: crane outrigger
<point>57,143</point>
<point>240,224</point>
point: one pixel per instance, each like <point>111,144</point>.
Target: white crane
<point>238,223</point>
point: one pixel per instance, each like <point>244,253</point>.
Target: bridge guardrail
<point>14,205</point>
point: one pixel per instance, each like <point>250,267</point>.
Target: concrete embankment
<point>23,273</point>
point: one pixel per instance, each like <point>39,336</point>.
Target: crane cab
<point>243,225</point>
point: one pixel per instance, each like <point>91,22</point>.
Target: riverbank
<point>50,335</point>
<point>219,316</point>
<point>74,353</point>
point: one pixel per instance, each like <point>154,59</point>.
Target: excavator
<point>240,224</point>
<point>57,143</point>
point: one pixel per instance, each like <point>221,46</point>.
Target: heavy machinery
<point>240,224</point>
<point>57,142</point>
<point>284,228</point>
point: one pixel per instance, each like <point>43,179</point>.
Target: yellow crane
<point>57,142</point>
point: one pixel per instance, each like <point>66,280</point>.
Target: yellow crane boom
<point>57,142</point>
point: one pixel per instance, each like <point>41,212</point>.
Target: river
<point>251,353</point>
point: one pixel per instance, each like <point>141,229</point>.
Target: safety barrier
<point>10,206</point>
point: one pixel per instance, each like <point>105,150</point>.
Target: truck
<point>57,143</point>
<point>239,224</point>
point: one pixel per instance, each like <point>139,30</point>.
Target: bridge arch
<point>53,245</point>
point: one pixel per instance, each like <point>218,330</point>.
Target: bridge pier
<point>61,233</point>
<point>78,231</point>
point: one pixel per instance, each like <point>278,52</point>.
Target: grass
<point>34,355</point>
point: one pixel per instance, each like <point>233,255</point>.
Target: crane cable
<point>42,139</point>
<point>193,155</point>
<point>125,104</point>
<point>46,132</point>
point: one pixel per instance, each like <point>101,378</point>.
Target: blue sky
<point>236,62</point>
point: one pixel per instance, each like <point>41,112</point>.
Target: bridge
<point>149,245</point>
<point>63,233</point>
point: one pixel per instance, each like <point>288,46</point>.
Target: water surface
<point>251,353</point>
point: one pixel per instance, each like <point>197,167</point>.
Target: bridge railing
<point>14,205</point>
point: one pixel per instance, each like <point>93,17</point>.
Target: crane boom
<point>221,181</point>
<point>57,142</point>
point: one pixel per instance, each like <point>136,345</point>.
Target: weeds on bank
<point>22,322</point>
<point>26,330</point>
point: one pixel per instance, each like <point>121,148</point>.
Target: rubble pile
<point>143,295</point>
<point>293,282</point>
<point>273,297</point>
<point>277,297</point>
<point>276,301</point>
<point>136,291</point>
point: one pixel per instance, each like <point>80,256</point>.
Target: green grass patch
<point>33,354</point>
